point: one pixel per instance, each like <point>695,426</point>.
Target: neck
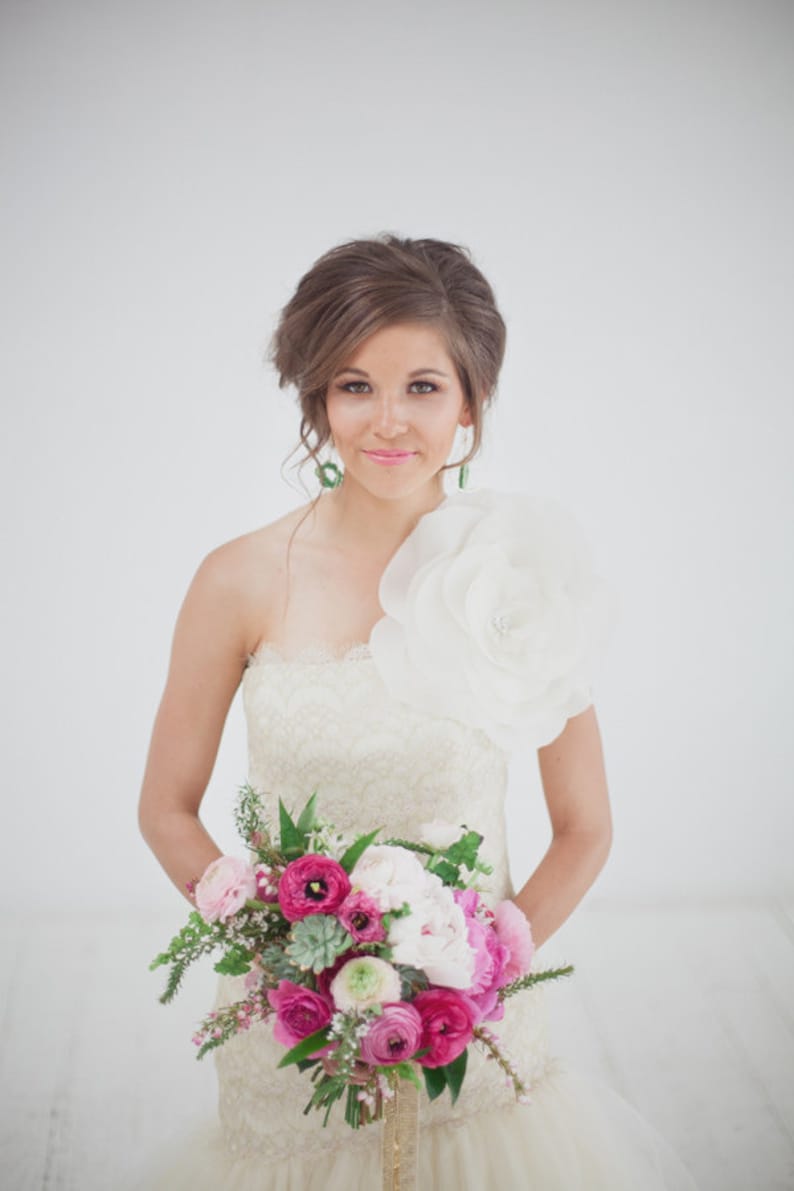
<point>374,525</point>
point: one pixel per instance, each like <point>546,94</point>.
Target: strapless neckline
<point>267,653</point>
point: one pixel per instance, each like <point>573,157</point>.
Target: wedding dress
<point>328,722</point>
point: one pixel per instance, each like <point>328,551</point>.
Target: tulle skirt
<point>575,1135</point>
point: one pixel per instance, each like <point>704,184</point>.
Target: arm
<point>575,788</point>
<point>207,659</point>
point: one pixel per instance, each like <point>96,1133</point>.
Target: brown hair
<point>360,286</point>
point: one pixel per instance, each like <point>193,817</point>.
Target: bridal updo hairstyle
<point>361,286</point>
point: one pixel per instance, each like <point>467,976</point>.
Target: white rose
<point>439,834</point>
<point>389,875</point>
<point>494,616</point>
<point>434,937</point>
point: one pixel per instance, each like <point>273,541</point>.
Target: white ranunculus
<point>363,982</point>
<point>389,875</point>
<point>494,616</point>
<point>439,834</point>
<point>434,937</point>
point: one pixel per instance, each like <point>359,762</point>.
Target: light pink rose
<point>299,1013</point>
<point>393,1036</point>
<point>513,929</point>
<point>448,1019</point>
<point>226,886</point>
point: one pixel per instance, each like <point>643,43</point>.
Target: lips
<point>390,458</point>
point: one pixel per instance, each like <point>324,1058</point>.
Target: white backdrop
<point>622,173</point>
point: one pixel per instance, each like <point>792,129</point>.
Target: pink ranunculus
<point>393,1036</point>
<point>448,1018</point>
<point>312,884</point>
<point>513,929</point>
<point>299,1012</point>
<point>361,918</point>
<point>227,884</point>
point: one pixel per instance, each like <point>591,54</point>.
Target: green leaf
<point>435,1080</point>
<point>291,838</point>
<point>308,819</point>
<point>455,1072</point>
<point>464,850</point>
<point>305,1048</point>
<point>236,962</point>
<point>408,1071</point>
<point>305,1064</point>
<point>445,870</point>
<point>356,849</point>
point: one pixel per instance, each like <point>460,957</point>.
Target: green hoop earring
<point>329,475</point>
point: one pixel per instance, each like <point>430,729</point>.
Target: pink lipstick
<point>390,458</point>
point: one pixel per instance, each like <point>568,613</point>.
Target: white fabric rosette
<point>494,616</point>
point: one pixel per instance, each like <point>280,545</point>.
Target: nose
<point>389,419</point>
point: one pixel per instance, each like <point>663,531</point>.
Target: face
<point>393,409</point>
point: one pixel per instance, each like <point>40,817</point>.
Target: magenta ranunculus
<point>448,1018</point>
<point>361,918</point>
<point>512,927</point>
<point>299,1012</point>
<point>393,1036</point>
<point>227,884</point>
<point>312,884</point>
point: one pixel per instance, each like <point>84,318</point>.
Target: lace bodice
<point>327,723</point>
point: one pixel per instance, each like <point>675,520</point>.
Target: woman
<point>385,639</point>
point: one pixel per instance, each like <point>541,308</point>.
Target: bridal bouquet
<point>377,961</point>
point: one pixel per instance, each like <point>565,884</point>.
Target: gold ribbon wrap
<point>400,1138</point>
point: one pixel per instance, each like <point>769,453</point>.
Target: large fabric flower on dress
<point>494,616</point>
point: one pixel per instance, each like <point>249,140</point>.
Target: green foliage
<point>316,942</point>
<point>435,1081</point>
<point>451,1076</point>
<point>305,1048</point>
<point>279,966</point>
<point>455,1071</point>
<point>412,981</point>
<point>195,939</point>
<point>531,978</point>
<point>295,836</point>
<point>356,850</point>
<point>236,961</point>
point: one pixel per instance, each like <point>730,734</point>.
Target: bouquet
<point>378,962</point>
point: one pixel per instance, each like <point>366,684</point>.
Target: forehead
<point>410,344</point>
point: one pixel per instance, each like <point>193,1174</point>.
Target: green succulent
<point>317,941</point>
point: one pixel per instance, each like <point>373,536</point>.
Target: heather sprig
<point>222,1024</point>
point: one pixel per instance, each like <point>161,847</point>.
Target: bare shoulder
<point>248,573</point>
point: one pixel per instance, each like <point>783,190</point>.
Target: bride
<point>393,643</point>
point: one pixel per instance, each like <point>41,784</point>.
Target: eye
<point>357,387</point>
<point>426,386</point>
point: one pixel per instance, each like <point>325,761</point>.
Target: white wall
<point>622,173</point>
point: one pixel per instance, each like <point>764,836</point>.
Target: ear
<point>465,418</point>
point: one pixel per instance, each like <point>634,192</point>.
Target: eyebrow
<point>416,372</point>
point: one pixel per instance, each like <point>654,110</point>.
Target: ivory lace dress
<point>331,723</point>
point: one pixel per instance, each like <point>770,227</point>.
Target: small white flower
<point>439,834</point>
